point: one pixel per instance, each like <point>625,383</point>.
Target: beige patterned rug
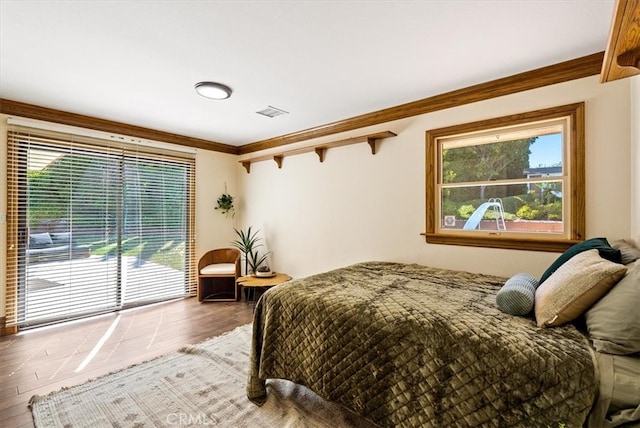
<point>200,385</point>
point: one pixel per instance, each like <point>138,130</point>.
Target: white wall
<point>635,157</point>
<point>213,230</point>
<point>356,207</point>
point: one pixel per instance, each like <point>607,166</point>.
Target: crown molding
<point>558,73</point>
<point>31,111</point>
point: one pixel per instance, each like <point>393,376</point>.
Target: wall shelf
<point>622,57</point>
<point>320,149</point>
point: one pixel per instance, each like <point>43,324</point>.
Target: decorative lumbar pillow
<point>219,269</point>
<point>575,287</point>
<point>601,244</point>
<point>613,322</point>
<point>629,252</point>
<point>517,295</point>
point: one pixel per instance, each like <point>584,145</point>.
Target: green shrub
<point>554,210</point>
<point>522,207</point>
<point>449,208</point>
<point>511,204</point>
<point>534,211</point>
<point>530,212</point>
<point>465,211</point>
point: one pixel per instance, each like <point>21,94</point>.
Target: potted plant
<point>247,243</point>
<point>225,204</point>
<point>264,271</point>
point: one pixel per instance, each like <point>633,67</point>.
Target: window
<point>94,226</point>
<point>510,182</point>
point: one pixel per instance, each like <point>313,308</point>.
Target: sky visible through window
<point>546,151</point>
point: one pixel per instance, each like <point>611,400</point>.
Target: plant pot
<point>265,274</point>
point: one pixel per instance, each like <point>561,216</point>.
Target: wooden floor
<point>43,360</point>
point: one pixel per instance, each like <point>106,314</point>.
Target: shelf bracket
<point>320,151</point>
<point>630,58</point>
<point>372,144</point>
<point>622,56</point>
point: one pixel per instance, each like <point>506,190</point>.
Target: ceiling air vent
<point>272,111</point>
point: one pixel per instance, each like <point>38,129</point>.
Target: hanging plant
<point>225,205</point>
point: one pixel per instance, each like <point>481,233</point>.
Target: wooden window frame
<point>574,215</point>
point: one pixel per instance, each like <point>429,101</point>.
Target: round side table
<point>251,283</point>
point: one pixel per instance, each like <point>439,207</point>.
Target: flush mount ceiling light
<point>213,90</point>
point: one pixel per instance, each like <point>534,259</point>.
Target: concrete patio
<point>90,284</point>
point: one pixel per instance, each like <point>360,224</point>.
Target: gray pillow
<point>517,295</point>
<point>630,253</point>
<point>613,322</point>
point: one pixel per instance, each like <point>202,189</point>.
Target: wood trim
<point>278,159</point>
<point>431,175</point>
<point>501,242</point>
<point>72,119</point>
<point>13,236</point>
<point>4,330</point>
<point>622,57</point>
<point>578,196</point>
<point>577,173</point>
<point>558,73</point>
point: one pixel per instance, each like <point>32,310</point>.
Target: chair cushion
<point>219,269</point>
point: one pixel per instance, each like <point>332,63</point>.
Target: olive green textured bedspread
<point>409,345</point>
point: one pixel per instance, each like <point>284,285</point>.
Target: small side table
<point>251,283</point>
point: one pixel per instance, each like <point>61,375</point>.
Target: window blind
<point>94,226</point>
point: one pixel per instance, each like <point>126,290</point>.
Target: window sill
<point>556,246</point>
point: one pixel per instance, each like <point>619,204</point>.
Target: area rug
<point>199,385</point>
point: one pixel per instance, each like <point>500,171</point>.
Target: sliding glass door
<point>97,229</point>
<point>154,230</point>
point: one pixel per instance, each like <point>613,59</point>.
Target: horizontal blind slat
<point>127,218</point>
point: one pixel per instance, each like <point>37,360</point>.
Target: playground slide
<point>473,221</point>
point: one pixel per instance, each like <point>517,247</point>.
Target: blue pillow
<point>517,295</point>
<point>601,244</point>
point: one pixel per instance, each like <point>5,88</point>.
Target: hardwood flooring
<point>47,359</point>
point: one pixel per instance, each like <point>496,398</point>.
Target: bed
<point>410,345</point>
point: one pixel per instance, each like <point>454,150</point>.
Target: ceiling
<point>136,62</point>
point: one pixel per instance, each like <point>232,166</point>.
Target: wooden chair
<point>218,272</point>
